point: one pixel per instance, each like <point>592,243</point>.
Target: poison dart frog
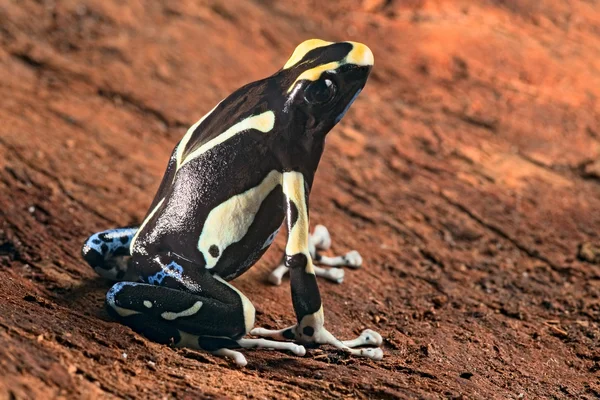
<point>230,183</point>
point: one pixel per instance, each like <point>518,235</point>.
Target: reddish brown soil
<point>467,174</point>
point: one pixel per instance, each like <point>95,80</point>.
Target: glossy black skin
<point>295,144</point>
<point>169,239</point>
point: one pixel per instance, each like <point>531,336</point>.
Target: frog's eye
<point>320,92</point>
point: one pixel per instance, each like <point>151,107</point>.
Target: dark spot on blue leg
<point>93,258</point>
<point>104,237</point>
<point>96,241</point>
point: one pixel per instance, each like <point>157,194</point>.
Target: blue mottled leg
<point>108,253</point>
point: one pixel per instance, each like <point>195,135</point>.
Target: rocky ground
<point>467,174</point>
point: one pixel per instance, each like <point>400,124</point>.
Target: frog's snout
<point>360,55</point>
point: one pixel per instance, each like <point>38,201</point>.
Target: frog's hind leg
<point>368,337</point>
<point>214,318</point>
<point>320,239</point>
<point>108,253</point>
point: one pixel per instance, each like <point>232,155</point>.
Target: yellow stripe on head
<point>314,74</point>
<point>302,49</point>
<point>359,55</point>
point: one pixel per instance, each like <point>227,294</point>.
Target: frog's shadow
<point>87,297</point>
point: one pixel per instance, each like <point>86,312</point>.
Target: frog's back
<point>224,202</point>
<point>221,201</point>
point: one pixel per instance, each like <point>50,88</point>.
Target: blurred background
<point>467,174</point>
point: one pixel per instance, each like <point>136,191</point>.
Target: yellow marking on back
<point>148,218</point>
<point>263,122</point>
<point>302,49</point>
<point>229,222</point>
<point>188,135</point>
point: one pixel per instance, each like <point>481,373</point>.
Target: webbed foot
<point>236,356</point>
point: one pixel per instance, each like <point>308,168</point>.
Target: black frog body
<point>230,183</point>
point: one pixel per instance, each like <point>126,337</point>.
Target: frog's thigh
<point>188,319</point>
<point>182,318</point>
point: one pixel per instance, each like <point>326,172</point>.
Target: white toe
<point>322,237</point>
<point>371,337</point>
<point>240,360</point>
<point>336,275</point>
<point>299,351</point>
<point>353,259</point>
<point>275,279</point>
<point>259,331</point>
<point>237,357</point>
<point>373,354</point>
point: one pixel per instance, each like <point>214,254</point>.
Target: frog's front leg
<point>305,292</point>
<point>194,309</point>
<point>320,239</point>
<point>108,253</point>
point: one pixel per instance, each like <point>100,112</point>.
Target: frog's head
<point>321,80</point>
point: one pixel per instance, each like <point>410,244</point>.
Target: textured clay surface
<point>467,175</point>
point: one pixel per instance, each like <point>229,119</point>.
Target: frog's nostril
<point>360,55</point>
